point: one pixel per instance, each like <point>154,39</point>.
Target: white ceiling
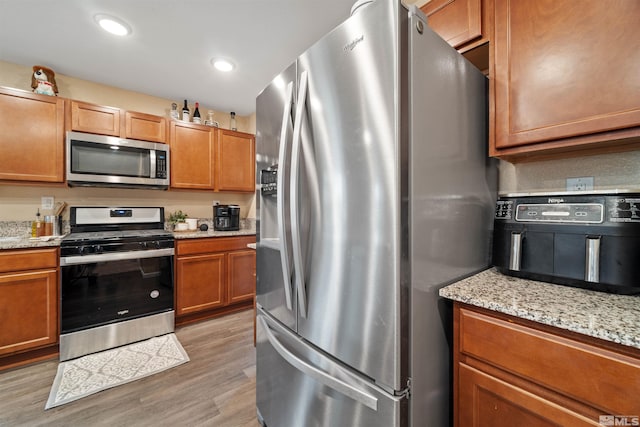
<point>168,53</point>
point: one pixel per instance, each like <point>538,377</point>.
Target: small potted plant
<point>178,220</point>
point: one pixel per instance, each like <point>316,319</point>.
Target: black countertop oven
<point>585,240</point>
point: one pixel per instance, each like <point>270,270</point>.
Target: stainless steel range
<point>117,279</point>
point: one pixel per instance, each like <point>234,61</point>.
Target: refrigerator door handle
<point>334,383</point>
<point>298,264</point>
<point>280,204</point>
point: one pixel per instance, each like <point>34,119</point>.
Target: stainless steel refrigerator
<point>374,190</point>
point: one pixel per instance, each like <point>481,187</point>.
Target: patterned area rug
<point>90,374</point>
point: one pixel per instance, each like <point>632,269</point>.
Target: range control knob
<point>97,249</point>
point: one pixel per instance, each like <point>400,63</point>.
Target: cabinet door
<point>236,161</point>
<point>483,400</point>
<point>457,21</point>
<point>565,74</point>
<point>242,276</point>
<point>95,119</point>
<point>145,127</point>
<point>28,310</point>
<point>31,137</point>
<point>192,150</point>
<point>199,283</point>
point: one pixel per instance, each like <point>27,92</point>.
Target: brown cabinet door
<point>95,119</point>
<point>28,310</point>
<point>457,21</point>
<point>242,275</point>
<point>199,283</point>
<point>565,74</point>
<point>192,156</point>
<point>236,160</point>
<point>487,401</point>
<point>31,137</point>
<point>145,127</point>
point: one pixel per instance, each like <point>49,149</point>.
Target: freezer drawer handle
<point>592,265</point>
<point>340,386</point>
<point>298,264</point>
<point>282,167</point>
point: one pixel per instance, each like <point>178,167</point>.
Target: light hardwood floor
<point>215,388</point>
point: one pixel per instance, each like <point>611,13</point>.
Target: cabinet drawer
<point>593,375</point>
<point>214,244</point>
<point>32,259</point>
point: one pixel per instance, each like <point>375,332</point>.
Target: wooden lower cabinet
<point>200,283</point>
<point>213,276</point>
<point>28,304</point>
<point>242,275</point>
<point>508,371</point>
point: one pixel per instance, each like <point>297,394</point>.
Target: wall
<point>19,203</point>
<point>610,172</point>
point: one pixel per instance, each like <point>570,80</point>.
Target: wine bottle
<point>185,112</point>
<point>196,114</point>
<point>233,121</point>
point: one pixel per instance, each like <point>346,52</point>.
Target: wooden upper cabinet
<point>111,121</point>
<point>192,155</point>
<point>92,118</point>
<point>31,137</point>
<point>462,23</point>
<point>145,127</point>
<point>564,76</point>
<point>235,161</point>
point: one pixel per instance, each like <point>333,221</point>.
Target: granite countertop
<point>13,235</point>
<point>212,233</point>
<point>609,317</point>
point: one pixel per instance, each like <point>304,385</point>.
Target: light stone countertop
<point>609,317</point>
<point>14,235</point>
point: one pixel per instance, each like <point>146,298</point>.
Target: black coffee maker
<point>226,217</point>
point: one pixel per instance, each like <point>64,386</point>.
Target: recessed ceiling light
<point>112,24</point>
<point>222,64</point>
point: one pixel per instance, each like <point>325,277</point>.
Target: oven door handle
<point>115,256</point>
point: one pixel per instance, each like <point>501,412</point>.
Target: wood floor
<point>215,388</point>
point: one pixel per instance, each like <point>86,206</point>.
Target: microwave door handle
<point>280,197</point>
<point>294,187</point>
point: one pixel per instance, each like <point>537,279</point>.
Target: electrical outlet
<point>46,202</point>
<point>584,183</point>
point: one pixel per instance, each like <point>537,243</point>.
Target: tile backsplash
<point>615,171</point>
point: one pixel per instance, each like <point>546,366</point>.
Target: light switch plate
<point>46,202</point>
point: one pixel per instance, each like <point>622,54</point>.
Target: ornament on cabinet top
<point>43,81</point>
<point>210,121</point>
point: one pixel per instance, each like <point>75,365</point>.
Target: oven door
<point>107,288</point>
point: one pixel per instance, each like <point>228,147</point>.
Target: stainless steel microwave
<point>107,161</point>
